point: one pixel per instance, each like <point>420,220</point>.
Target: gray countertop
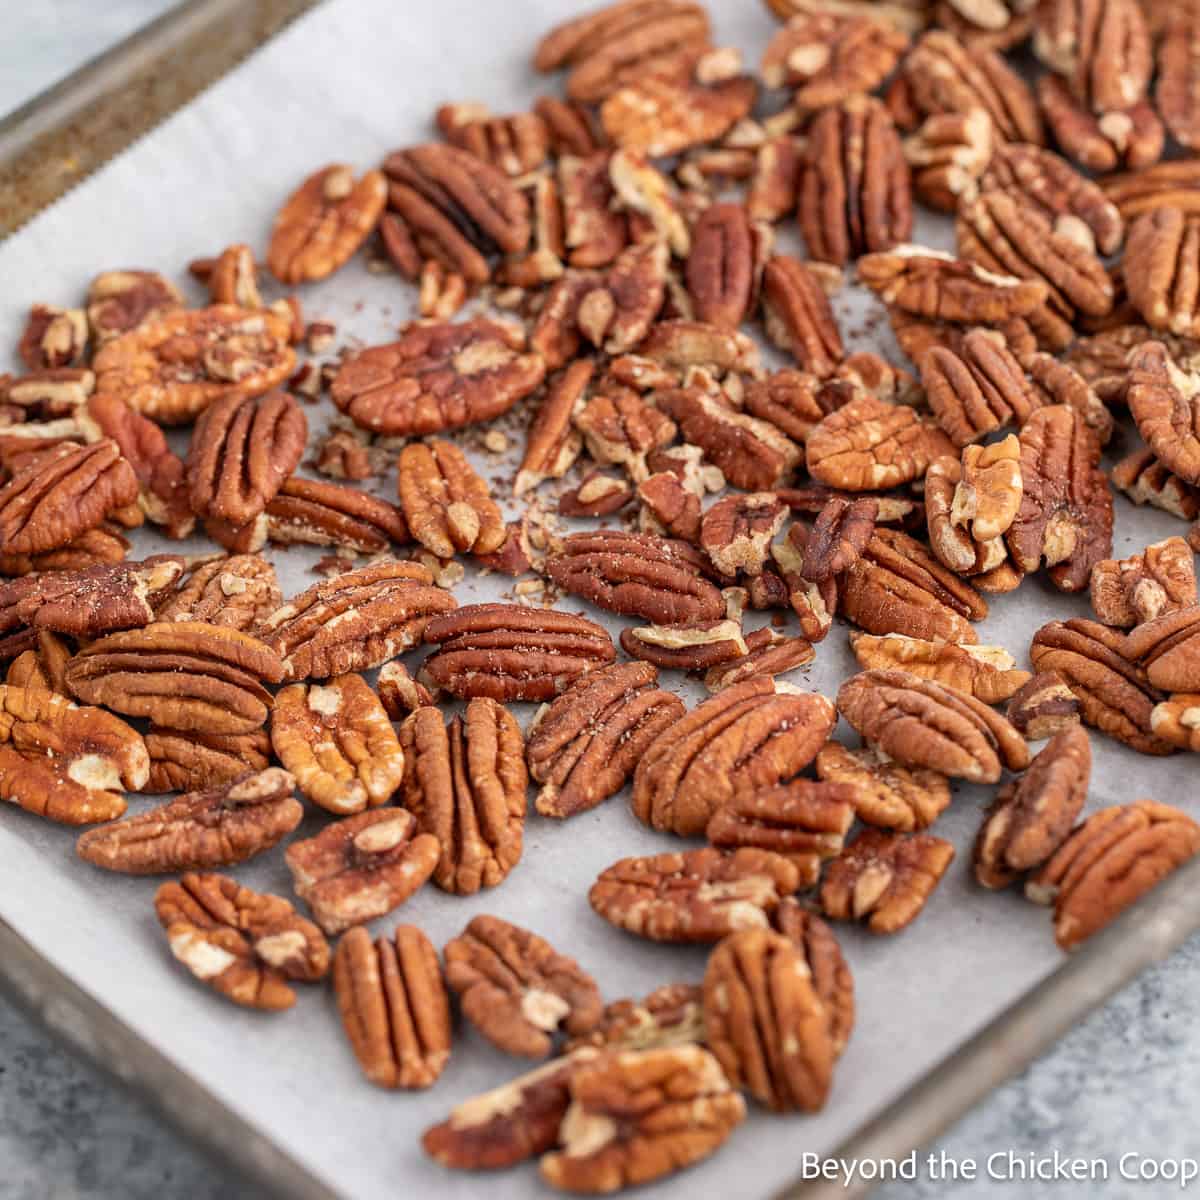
<point>1126,1081</point>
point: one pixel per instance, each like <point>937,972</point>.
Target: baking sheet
<point>348,82</point>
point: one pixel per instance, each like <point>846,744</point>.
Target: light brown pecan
<point>394,1006</point>
<point>771,191</point>
<point>794,401</point>
<point>354,622</point>
<point>884,879</point>
<point>619,427</point>
<point>1114,694</point>
<point>553,443</point>
<point>687,647</point>
<point>437,377</point>
<point>45,395</point>
<point>239,592</point>
<point>1130,138</point>
<point>399,692</point>
<point>951,500</point>
<point>233,278</point>
<point>243,944</point>
<point>638,1115</point>
<point>948,154</point>
<point>571,127</point>
<point>516,989</point>
<point>53,337</point>
<point>1159,580</point>
<point>63,762</point>
<point>512,652</point>
<point>1165,402</point>
<point>1032,816</point>
<point>1177,90</point>
<point>737,531</point>
<point>119,301</point>
<point>62,493</point>
<point>1146,481</point>
<point>749,736</point>
<point>514,144</point>
<point>886,794</point>
<point>669,1016</point>
<point>195,762</point>
<point>798,317</point>
<point>585,746</point>
<point>720,267</point>
<point>989,673</point>
<point>1109,862</point>
<point>1139,191</point>
<point>314,512</point>
<point>171,368</point>
<point>1177,720</point>
<point>43,665</point>
<point>1043,707</point>
<point>615,313</point>
<point>922,723</point>
<point>1168,647</point>
<point>768,654</point>
<point>466,783</point>
<point>199,831</point>
<point>1161,263</point>
<point>361,867</point>
<point>103,545</point>
<point>337,741</point>
<point>446,504</point>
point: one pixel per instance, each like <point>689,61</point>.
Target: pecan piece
<point>886,794</point>
<point>720,267</point>
<point>516,989</point>
<point>1131,137</point>
<point>466,783</point>
<point>737,531</point>
<point>437,377</point>
<point>585,746</point>
<point>394,1006</point>
<point>986,672</point>
<point>243,944</point>
<point>346,452</point>
<point>660,116</point>
<point>1032,816</point>
<point>771,192</point>
<point>1165,403</point>
<point>354,622</point>
<point>43,665</point>
<point>1146,481</point>
<point>1162,259</point>
<point>947,156</point>
<point>1159,580</point>
<point>813,602</point>
<point>1109,862</point>
<point>119,301</point>
<point>830,976</point>
<point>1177,720</point>
<point>515,144</point>
<point>749,736</point>
<point>797,316</point>
<point>238,592</point>
<point>767,654</point>
<point>199,831</point>
<point>669,1016</point>
<point>794,401</point>
<point>53,337</point>
<point>1043,707</point>
<point>594,230</point>
<point>313,512</point>
<point>686,647</point>
<point>922,723</point>
<point>185,761</point>
<point>841,532</point>
<point>1168,647</point>
<point>553,444</point>
<point>446,504</point>
<point>884,879</point>
<point>619,427</point>
<point>598,495</point>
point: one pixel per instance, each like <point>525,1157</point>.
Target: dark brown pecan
<point>516,989</point>
<point>1168,647</point>
<point>512,652</point>
<point>1130,138</point>
<point>720,267</point>
<point>1043,707</point>
<point>921,723</point>
<point>694,895</point>
<point>1114,693</point>
<point>199,831</point>
<point>886,793</point>
<point>638,575</point>
<point>1177,91</point>
<point>1115,857</point>
<point>103,545</point>
<point>194,762</point>
<point>1162,259</point>
<point>185,675</point>
<point>437,377</point>
<point>514,144</point>
<point>1159,580</point>
<point>669,507</point>
<point>669,1016</point>
<point>771,192</point>
<point>947,156</point>
<point>1066,512</point>
<point>361,867</point>
<point>394,1006</point>
<point>619,427</point>
<point>240,591</point>
<point>244,944</point>
<point>119,301</point>
<point>884,879</point>
<point>346,452</point>
<point>749,736</point>
<point>585,746</point>
<point>977,390</point>
<point>1032,816</point>
<point>466,783</point>
<point>552,444</point>
<point>798,317</point>
<point>354,622</point>
<point>737,531</point>
<point>615,312</point>
<point>313,512</point>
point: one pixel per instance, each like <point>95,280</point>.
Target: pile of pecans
<point>617,242</point>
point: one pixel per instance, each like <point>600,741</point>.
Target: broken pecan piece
<point>514,144</point>
<point>553,443</point>
<point>185,761</point>
<point>1159,580</point>
<point>120,301</point>
<point>1130,138</point>
<point>238,592</point>
<point>1043,707</point>
<point>619,427</point>
<point>1177,720</point>
<point>813,602</point>
<point>737,531</point>
<point>986,672</point>
<point>886,794</point>
<point>1146,481</point>
<point>660,117</point>
<point>687,647</point>
<point>948,154</point>
<point>53,337</point>
<point>767,654</point>
<point>669,1016</point>
<point>1165,402</point>
<point>720,267</point>
<point>841,532</point>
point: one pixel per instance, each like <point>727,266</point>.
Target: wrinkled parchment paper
<point>349,82</point>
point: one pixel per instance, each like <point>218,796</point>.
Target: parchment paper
<point>349,82</point>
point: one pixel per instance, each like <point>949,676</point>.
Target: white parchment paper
<point>349,82</point>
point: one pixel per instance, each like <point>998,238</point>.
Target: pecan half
<point>829,973</point>
<point>841,532</point>
<point>447,506</point>
<point>947,156</point>
<point>552,444</point>
<point>238,592</point>
<point>1162,259</point>
<point>922,723</point>
<point>466,783</point>
<point>1165,403</point>
<point>437,377</point>
<point>767,654</point>
<point>1168,647</point>
<point>394,1006</point>
<point>986,672</point>
<point>1146,481</point>
<point>43,665</point>
<point>1130,138</point>
<point>199,831</point>
<point>514,144</point>
<point>771,191</point>
<point>243,944</point>
<point>737,531</point>
<point>1109,862</point>
<point>314,512</point>
<point>1043,707</point>
<point>1159,580</point>
<point>886,794</point>
<point>102,545</point>
<point>119,301</point>
<point>720,267</point>
<point>185,761</point>
<point>798,317</point>
<point>516,989</point>
<point>669,1016</point>
<point>687,647</point>
<point>977,389</point>
<point>361,867</point>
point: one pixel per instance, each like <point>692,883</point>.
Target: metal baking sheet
<point>281,1095</point>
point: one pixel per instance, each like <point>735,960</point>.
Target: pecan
<point>587,743</point>
<point>771,193</point>
<point>442,292</point>
<point>1140,191</point>
<point>1159,580</point>
<point>399,692</point>
<point>793,401</point>
<point>954,506</point>
<point>355,622</point>
<point>238,592</point>
<point>194,762</point>
<point>346,453</point>
<point>687,647</point>
<point>638,575</point>
<point>986,672</point>
<point>1032,816</point>
<point>1168,647</point>
<point>798,317</point>
<point>813,602</point>
<point>1055,382</point>
<point>553,444</point>
<point>948,154</point>
<point>749,736</point>
<point>886,794</point>
<point>1131,138</point>
<point>768,654</point>
<point>63,762</point>
<point>1177,91</point>
<point>922,723</point>
<point>669,1016</point>
<point>511,652</point>
<point>103,545</point>
<point>43,665</point>
<point>316,513</point>
<point>394,1006</point>
<point>466,783</point>
<point>1165,403</point>
<point>361,867</point>
<point>234,278</point>
<point>569,125</point>
<point>661,116</point>
<point>337,741</point>
<point>598,495</point>
<point>437,377</point>
<point>594,230</point>
<point>516,989</point>
<point>44,395</point>
<point>645,192</point>
<point>1066,513</point>
<point>720,267</point>
<point>1114,694</point>
<point>1109,862</point>
<point>446,504</point>
<point>830,976</point>
<point>241,452</point>
<point>120,301</point>
<point>171,368</point>
<point>619,427</point>
<point>1146,481</point>
<point>1043,707</point>
<point>616,313</point>
<point>884,879</point>
<point>513,144</point>
<point>804,821</point>
<point>753,454</point>
<point>53,337</point>
<point>1162,258</point>
<point>199,831</point>
<point>61,494</point>
<point>839,535</point>
<point>736,532</point>
<point>638,1115</point>
<point>243,944</point>
<point>1177,719</point>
